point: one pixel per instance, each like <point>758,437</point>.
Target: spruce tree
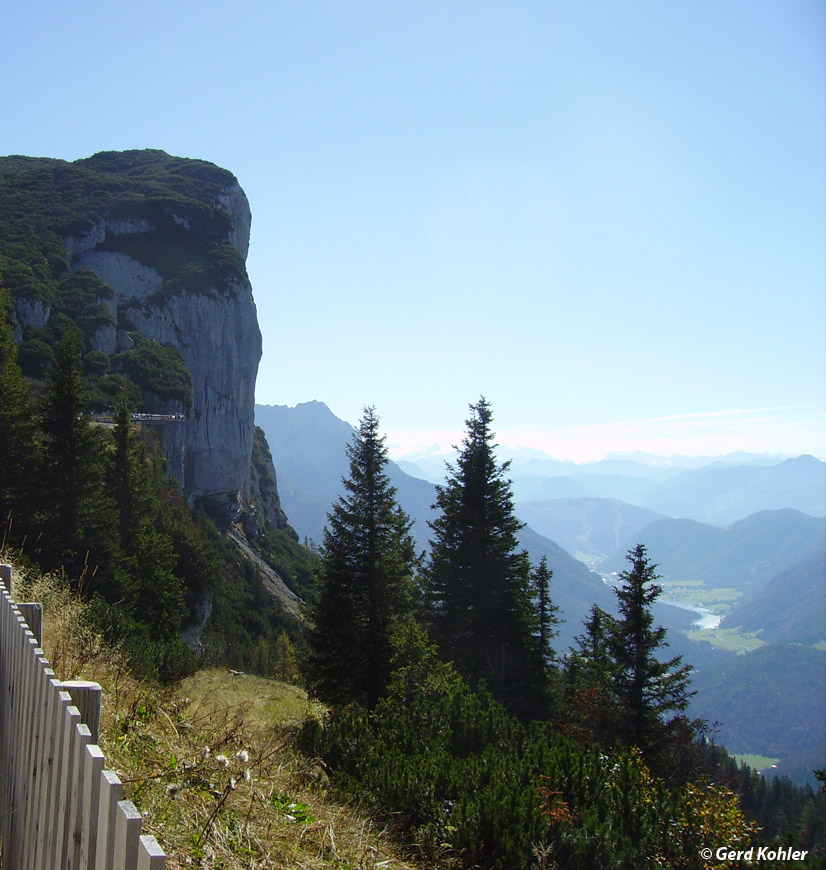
<point>649,688</point>
<point>70,453</point>
<point>547,612</point>
<point>17,439</point>
<point>149,588</point>
<point>478,581</point>
<point>365,576</point>
<point>590,683</point>
<point>547,622</point>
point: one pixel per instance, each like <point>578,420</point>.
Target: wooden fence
<point>59,808</point>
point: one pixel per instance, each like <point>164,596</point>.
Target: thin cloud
<point>779,430</point>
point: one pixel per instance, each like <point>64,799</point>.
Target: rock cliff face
<point>169,237</point>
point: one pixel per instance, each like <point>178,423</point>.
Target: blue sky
<point>609,218</point>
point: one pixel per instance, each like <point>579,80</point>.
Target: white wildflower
<point>222,760</point>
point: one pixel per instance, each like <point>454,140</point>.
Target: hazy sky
<point>607,217</point>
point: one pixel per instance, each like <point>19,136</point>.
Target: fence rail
<point>59,806</point>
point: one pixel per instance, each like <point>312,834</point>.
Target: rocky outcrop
<point>145,253</point>
<point>217,335</point>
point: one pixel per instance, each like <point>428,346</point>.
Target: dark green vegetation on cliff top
<point>162,212</point>
<point>43,201</point>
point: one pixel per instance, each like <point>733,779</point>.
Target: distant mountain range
<point>717,491</point>
<point>586,527</point>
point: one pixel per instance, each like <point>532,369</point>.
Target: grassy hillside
<point>209,760</point>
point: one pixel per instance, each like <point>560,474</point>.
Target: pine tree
<point>590,677</point>
<point>547,612</point>
<point>649,688</point>
<point>17,439</point>
<point>477,581</point>
<point>74,504</point>
<point>366,575</point>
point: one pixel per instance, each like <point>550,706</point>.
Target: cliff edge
<point>145,254</point>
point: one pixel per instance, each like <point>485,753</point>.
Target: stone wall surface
<point>217,335</point>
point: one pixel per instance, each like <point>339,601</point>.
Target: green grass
<point>757,762</point>
<point>729,638</point>
<point>696,594</point>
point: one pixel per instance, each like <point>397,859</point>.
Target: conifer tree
<point>366,575</point>
<point>17,438</point>
<point>478,582</point>
<point>547,612</point>
<point>547,620</point>
<point>590,679</point>
<point>150,589</point>
<point>649,688</point>
<point>74,501</point>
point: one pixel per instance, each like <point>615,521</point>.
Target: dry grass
<point>209,761</point>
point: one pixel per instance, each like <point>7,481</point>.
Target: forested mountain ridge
<point>744,555</point>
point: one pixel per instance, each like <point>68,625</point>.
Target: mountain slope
<point>789,608</point>
<point>745,555</point>
<point>769,702</point>
<point>724,494</point>
<point>593,526</point>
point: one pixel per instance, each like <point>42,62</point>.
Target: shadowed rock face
<point>215,329</point>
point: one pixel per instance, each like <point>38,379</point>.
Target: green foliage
<point>649,687</point>
<point>365,578</point>
<point>477,582</point>
<point>294,563</point>
<point>81,297</point>
<point>247,622</point>
<point>618,688</point>
<point>156,368</point>
<point>17,436</point>
<point>74,507</point>
<point>468,784</point>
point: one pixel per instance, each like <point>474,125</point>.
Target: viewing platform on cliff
<point>108,419</point>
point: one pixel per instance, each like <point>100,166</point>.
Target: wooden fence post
<point>151,856</point>
<point>33,614</point>
<point>86,697</point>
<point>5,577</point>
<point>93,765</point>
<point>128,823</point>
<point>111,790</point>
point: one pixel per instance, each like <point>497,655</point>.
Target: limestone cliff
<point>167,239</point>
